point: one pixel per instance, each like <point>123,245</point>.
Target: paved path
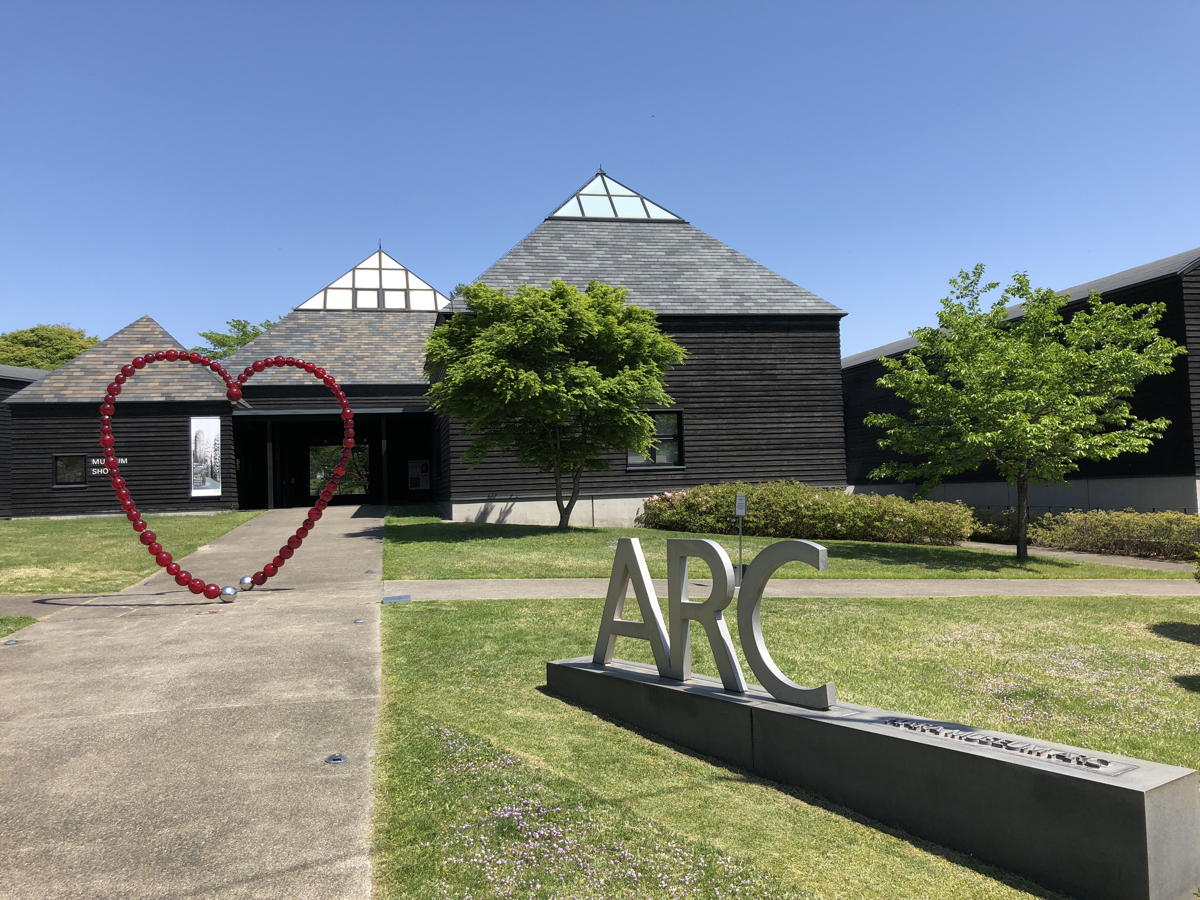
<point>156,744</point>
<point>1136,562</point>
<point>533,588</point>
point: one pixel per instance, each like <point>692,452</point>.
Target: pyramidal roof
<point>603,197</point>
<point>84,379</point>
<point>378,282</point>
<point>607,232</point>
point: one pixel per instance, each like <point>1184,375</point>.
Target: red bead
<point>348,414</point>
<point>242,379</point>
<point>259,577</point>
<point>314,514</point>
<point>234,394</point>
<point>348,431</point>
<point>348,443</point>
<point>295,541</point>
<point>308,524</point>
<point>258,365</point>
<point>289,360</point>
<point>160,355</point>
<point>339,471</point>
<point>204,361</point>
<point>329,381</point>
<point>278,360</point>
<point>127,504</point>
<point>194,357</point>
<point>147,537</point>
<point>107,440</point>
<point>139,525</point>
<point>110,399</point>
<point>173,568</point>
<point>172,355</point>
<point>196,586</point>
<point>319,372</point>
<point>163,558</point>
<point>105,428</point>
<point>183,578</point>
<point>154,549</point>
<point>124,495</point>
<point>278,562</point>
<point>128,371</point>
<point>139,363</point>
<point>212,591</point>
<point>107,409</point>
<point>270,570</point>
<point>117,481</point>
<point>286,553</point>
<point>106,420</point>
<point>114,389</point>
<point>326,496</point>
<point>132,514</point>
<point>148,358</point>
<point>320,504</point>
<point>216,366</point>
<point>310,367</point>
<point>268,363</point>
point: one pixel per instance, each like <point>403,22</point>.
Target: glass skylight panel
<point>337,298</point>
<point>629,207</point>
<point>657,212</point>
<point>378,282</point>
<point>366,299</point>
<point>421,300</point>
<point>371,261</point>
<point>366,278</point>
<point>570,208</point>
<point>317,301</point>
<point>394,300</point>
<point>389,263</point>
<point>393,278</point>
<point>598,207</point>
<point>618,190</point>
<point>595,186</point>
<point>344,281</point>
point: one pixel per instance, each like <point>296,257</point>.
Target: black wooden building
<point>1163,478</point>
<point>759,397</point>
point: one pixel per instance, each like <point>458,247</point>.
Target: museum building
<point>1164,478</point>
<point>758,398</point>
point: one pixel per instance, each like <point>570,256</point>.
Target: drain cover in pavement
<point>398,598</point>
<point>335,758</point>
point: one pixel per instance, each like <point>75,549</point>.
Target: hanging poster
<point>206,456</point>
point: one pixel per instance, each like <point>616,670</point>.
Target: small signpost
<point>739,513</point>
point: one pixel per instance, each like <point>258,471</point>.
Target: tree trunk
<point>1022,518</point>
<point>564,512</point>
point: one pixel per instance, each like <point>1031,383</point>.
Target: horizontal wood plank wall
<point>155,437</point>
<point>1190,290</point>
<point>1167,396</point>
<point>761,399</point>
<point>8,387</point>
<point>318,398</point>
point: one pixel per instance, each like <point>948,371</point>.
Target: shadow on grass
<point>741,776</point>
<point>947,559</point>
<point>1188,682</point>
<point>1185,632</point>
<point>460,532</point>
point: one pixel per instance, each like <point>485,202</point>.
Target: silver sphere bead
<point>246,583</point>
<point>228,594</point>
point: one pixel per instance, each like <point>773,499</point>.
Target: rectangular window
<point>70,471</point>
<point>668,442</point>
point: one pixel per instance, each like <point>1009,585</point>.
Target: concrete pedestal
<point>1089,824</point>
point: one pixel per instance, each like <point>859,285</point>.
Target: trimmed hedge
<point>1162,535</point>
<point>791,509</point>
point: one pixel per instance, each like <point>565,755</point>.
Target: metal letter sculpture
<point>233,393</point>
<point>673,652</point>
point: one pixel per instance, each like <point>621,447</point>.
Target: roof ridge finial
<point>600,171</point>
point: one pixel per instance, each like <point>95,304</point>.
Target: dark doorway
<point>283,460</point>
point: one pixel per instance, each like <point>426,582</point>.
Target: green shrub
<point>1163,535</point>
<point>790,509</point>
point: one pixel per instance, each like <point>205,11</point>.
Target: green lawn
<point>9,624</point>
<point>486,786</point>
<point>422,546</point>
<point>96,554</point>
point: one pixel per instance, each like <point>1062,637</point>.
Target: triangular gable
<point>378,282</point>
<point>603,197</point>
<point>85,378</point>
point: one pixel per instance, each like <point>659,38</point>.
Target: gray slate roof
<point>85,378</point>
<point>22,373</point>
<point>672,268</point>
<point>355,346</point>
<point>1168,265</point>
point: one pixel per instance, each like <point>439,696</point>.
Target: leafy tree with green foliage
<point>43,346</point>
<point>226,343</point>
<point>556,376</point>
<point>1032,396</point>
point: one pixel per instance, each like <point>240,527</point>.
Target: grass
<point>422,546</point>
<point>96,554</point>
<point>486,786</point>
<point>9,624</point>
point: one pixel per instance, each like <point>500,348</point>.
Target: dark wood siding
<point>1190,292</point>
<point>317,398</point>
<point>760,398</point>
<point>1168,396</point>
<point>8,387</point>
<point>155,437</point>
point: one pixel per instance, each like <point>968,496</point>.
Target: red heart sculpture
<point>234,393</point>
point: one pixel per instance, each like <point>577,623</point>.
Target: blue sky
<point>204,161</point>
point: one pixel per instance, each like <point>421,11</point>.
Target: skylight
<point>378,282</point>
<point>606,198</point>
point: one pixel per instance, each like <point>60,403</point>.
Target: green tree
<point>43,346</point>
<point>225,343</point>
<point>556,376</point>
<point>1032,396</point>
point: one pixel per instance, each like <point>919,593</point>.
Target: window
<point>668,442</point>
<point>70,471</point>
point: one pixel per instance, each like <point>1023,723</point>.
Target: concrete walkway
<point>568,588</point>
<point>157,744</point>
